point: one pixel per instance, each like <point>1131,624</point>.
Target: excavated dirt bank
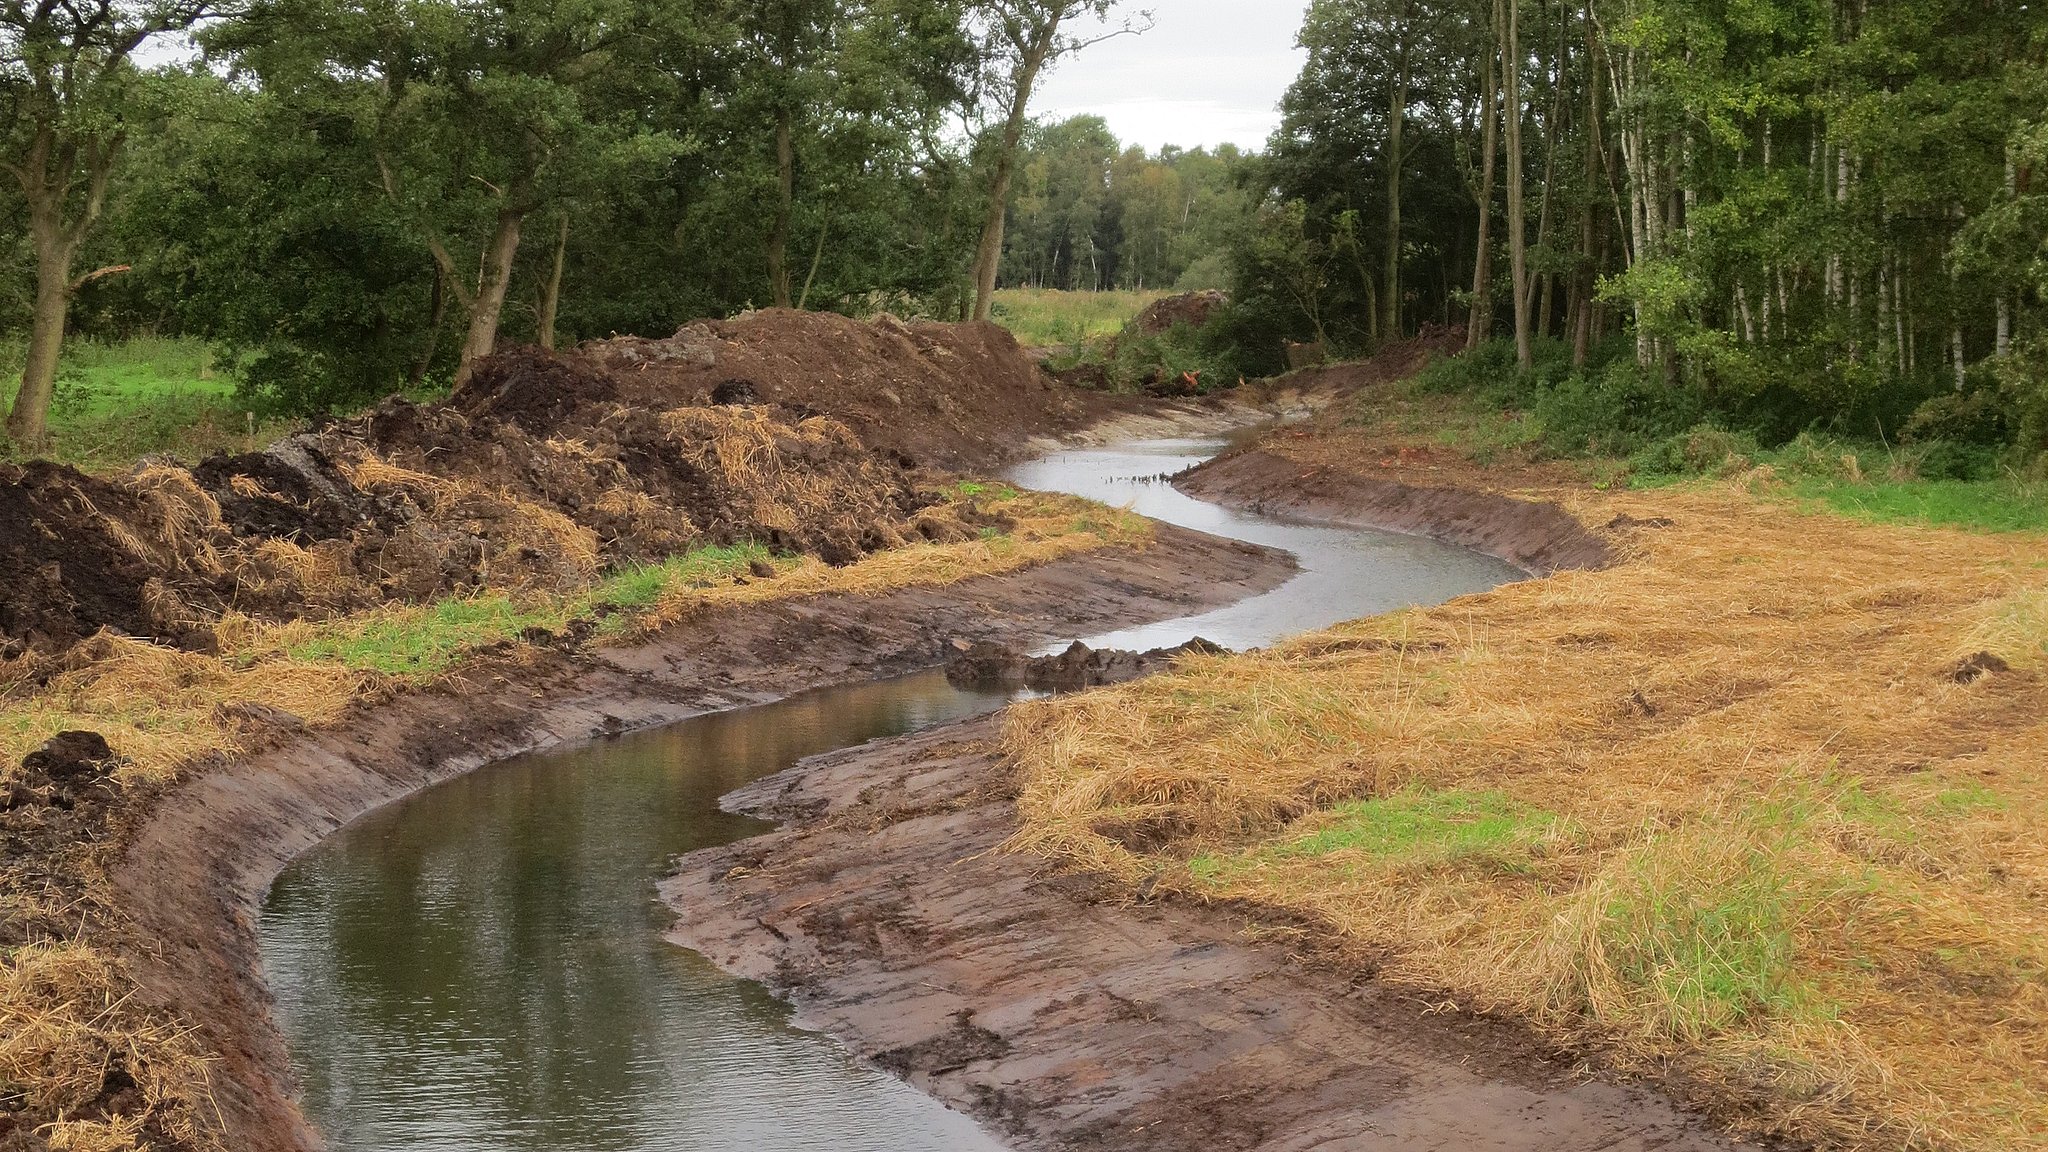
<point>195,872</point>
<point>1064,1017</point>
<point>1540,538</point>
<point>809,433</point>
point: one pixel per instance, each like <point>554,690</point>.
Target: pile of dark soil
<point>956,396</point>
<point>988,665</point>
<point>1190,309</point>
<point>1393,362</point>
<point>807,433</point>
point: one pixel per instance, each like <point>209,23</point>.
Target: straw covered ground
<point>1760,811</point>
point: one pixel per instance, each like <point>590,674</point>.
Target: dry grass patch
<point>162,709</point>
<point>1751,805</point>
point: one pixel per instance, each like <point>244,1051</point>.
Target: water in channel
<point>481,966</point>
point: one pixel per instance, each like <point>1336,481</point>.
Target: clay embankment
<point>199,866</point>
<point>1064,1015</point>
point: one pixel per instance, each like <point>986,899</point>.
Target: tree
<point>1019,40</point>
<point>70,89</point>
<point>470,117</point>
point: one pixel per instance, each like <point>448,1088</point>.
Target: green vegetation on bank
<point>421,642</point>
<point>1629,427</point>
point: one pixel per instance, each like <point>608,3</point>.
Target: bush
<point>1614,412</point>
<point>1949,460</point>
<point>1703,449</point>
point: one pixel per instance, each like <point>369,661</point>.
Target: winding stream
<point>481,966</point>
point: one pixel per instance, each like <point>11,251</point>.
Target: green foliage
<point>1088,213</point>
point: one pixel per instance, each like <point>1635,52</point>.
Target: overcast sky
<point>1210,72</point>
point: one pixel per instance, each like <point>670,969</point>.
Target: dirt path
<point>196,871</point>
<point>1065,1018</point>
<point>1063,1015</point>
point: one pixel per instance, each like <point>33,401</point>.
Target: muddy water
<point>481,967</point>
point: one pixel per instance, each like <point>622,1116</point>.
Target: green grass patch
<point>1427,827</point>
<point>1980,505</point>
<point>422,642</point>
<point>116,403</point>
<point>644,586</point>
<point>1706,930</point>
<point>1047,318</point>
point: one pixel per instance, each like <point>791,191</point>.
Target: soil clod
<point>995,665</point>
<point>1978,667</point>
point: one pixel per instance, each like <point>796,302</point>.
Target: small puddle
<point>482,966</point>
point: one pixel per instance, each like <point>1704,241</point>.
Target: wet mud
<point>1065,1015</point>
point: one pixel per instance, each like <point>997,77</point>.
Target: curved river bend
<point>481,966</point>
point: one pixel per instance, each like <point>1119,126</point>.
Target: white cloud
<point>1209,72</point>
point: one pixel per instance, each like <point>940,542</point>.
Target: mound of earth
<point>1189,309</point>
<point>799,431</point>
<point>956,396</point>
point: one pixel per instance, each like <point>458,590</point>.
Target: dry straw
<point>1741,802</point>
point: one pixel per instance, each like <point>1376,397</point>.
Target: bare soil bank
<point>1540,538</point>
<point>1063,1016</point>
<point>196,871</point>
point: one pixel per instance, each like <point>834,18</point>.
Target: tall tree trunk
<point>489,303</point>
<point>551,296</point>
<point>2003,346</point>
<point>989,258</point>
<point>785,207</point>
<point>803,299</point>
<point>437,312</point>
<point>1548,312</point>
<point>1397,121</point>
<point>28,422</point>
<point>1584,278</point>
<point>1518,239</point>
<point>46,174</point>
<point>1480,324</point>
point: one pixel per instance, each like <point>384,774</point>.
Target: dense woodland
<point>1777,215</point>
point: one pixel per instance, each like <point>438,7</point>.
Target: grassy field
<point>1046,318</point>
<point>1765,802</point>
<point>117,403</point>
